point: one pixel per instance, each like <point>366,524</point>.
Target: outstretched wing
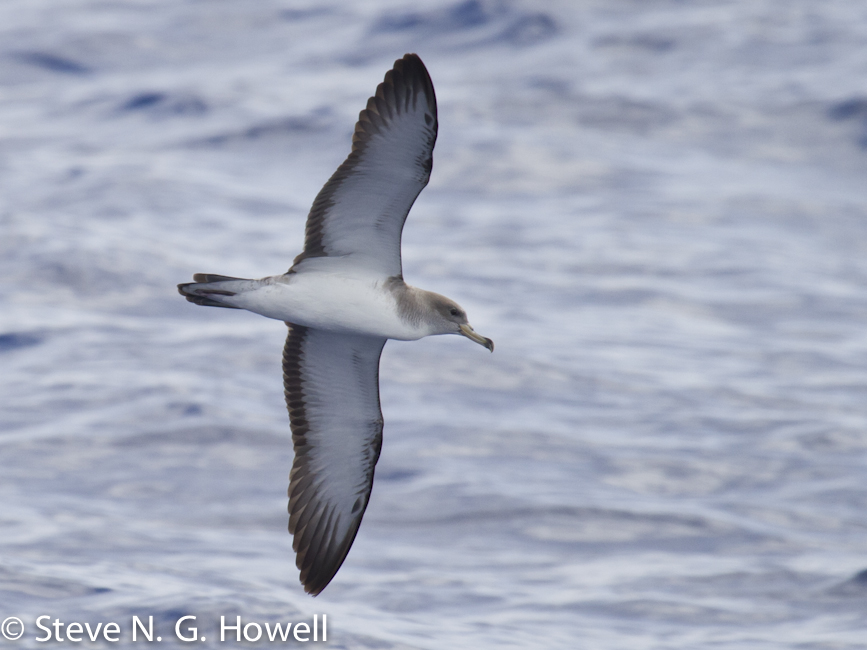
<point>358,215</point>
<point>332,392</point>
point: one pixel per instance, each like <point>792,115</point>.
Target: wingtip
<point>313,592</point>
<point>410,56</point>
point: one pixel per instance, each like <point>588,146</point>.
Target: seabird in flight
<point>342,299</point>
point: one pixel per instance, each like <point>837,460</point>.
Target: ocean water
<point>657,210</point>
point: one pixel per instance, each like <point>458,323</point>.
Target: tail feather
<point>212,277</point>
<point>200,293</point>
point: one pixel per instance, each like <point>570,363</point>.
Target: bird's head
<point>452,319</point>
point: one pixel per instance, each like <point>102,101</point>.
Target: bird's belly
<point>329,302</point>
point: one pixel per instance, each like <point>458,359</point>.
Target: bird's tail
<point>211,290</point>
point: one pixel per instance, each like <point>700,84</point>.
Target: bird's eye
<point>453,311</point>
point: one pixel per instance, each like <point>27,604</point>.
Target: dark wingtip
<point>415,71</point>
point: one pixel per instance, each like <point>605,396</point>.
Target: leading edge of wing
<point>361,210</point>
<point>331,383</point>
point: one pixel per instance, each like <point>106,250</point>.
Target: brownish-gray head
<point>448,317</point>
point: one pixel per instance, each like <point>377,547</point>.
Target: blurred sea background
<point>657,209</point>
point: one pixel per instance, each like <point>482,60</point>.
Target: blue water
<point>657,210</point>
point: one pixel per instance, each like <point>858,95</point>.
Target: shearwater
<point>342,299</point>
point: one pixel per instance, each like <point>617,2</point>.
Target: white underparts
<point>330,301</point>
